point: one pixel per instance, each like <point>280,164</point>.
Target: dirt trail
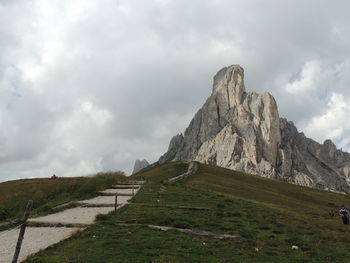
<point>35,239</point>
<point>43,231</point>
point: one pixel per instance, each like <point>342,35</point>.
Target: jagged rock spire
<point>243,131</point>
<point>230,82</point>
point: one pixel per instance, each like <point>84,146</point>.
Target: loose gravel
<point>35,239</point>
<point>77,215</point>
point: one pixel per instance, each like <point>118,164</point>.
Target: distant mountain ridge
<point>139,165</point>
<point>243,131</point>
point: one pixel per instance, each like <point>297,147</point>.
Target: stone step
<point>96,205</point>
<point>121,192</point>
<point>120,186</point>
<point>202,233</point>
<point>113,194</point>
<point>55,224</point>
<point>105,200</point>
<point>129,183</point>
<point>65,206</point>
<point>134,182</point>
<point>173,206</point>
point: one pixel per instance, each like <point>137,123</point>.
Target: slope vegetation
<point>269,216</point>
<point>47,193</point>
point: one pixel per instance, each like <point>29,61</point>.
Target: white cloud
<point>333,123</point>
<point>307,80</point>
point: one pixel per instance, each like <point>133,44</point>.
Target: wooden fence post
<point>133,192</point>
<point>22,230</point>
<point>116,202</point>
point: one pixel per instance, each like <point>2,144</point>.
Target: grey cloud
<point>149,67</point>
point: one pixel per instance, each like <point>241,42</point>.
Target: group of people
<point>344,213</point>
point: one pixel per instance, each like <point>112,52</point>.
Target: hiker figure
<point>54,177</point>
<point>344,213</point>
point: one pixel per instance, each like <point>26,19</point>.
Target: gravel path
<point>77,215</point>
<point>37,238</point>
<point>121,186</point>
<point>108,200</point>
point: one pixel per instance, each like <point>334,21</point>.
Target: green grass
<point>268,215</point>
<point>47,194</point>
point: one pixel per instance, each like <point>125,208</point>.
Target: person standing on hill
<point>344,213</point>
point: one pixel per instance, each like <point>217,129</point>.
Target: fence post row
<point>22,230</point>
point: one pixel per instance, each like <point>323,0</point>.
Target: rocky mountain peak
<point>329,144</point>
<point>229,81</point>
<point>243,131</point>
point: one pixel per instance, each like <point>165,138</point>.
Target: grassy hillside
<point>270,216</point>
<point>46,193</point>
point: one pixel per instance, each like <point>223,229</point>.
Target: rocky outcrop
<point>306,162</point>
<point>243,131</point>
<point>139,165</point>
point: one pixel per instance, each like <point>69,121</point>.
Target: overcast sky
<point>89,86</point>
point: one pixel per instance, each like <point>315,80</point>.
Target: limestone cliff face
<point>243,131</point>
<point>306,162</point>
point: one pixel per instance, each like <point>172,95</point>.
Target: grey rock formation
<point>139,165</point>
<point>243,131</point>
